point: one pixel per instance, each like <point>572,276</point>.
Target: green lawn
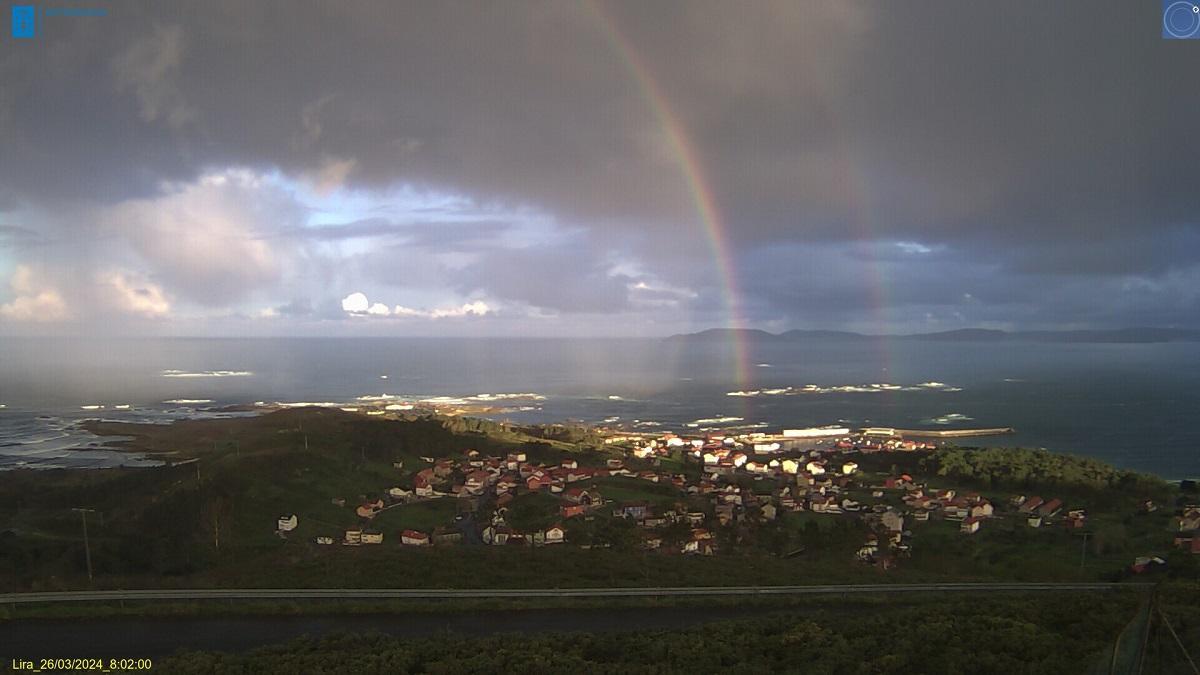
<point>423,516</point>
<point>624,489</point>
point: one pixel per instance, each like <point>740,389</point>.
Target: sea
<point>1134,405</point>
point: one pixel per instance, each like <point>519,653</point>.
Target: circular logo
<point>1181,19</point>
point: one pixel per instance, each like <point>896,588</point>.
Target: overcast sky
<point>501,168</point>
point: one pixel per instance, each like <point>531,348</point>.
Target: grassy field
<point>210,523</point>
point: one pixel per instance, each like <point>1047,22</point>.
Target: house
<point>325,541</point>
<point>286,523</point>
<point>571,510</point>
<point>790,466</point>
<point>537,481</point>
<point>1143,563</point>
<point>443,536</point>
<point>496,535</point>
<point>1190,520</point>
<point>921,515</point>
<point>769,511</point>
<point>353,537</point>
<point>815,467</point>
<point>970,525</point>
<point>956,509</point>
<point>651,542</point>
<point>477,481</point>
<point>570,463</point>
<point>1030,505</point>
<point>423,482</point>
<point>555,534</point>
<point>372,537</point>
<point>1034,521</point>
<point>414,538</point>
<point>399,493</point>
<point>849,468</point>
<point>582,496</point>
<point>1050,508</point>
<point>576,475</point>
<point>634,510</point>
<point>982,509</point>
<point>615,463</point>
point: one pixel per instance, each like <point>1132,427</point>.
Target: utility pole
<point>87,548</point>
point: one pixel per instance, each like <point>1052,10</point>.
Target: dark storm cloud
<point>561,277</point>
<point>1033,157</point>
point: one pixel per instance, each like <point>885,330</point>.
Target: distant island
<point>1117,335</point>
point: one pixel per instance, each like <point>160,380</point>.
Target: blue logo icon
<point>1181,20</point>
<point>24,21</point>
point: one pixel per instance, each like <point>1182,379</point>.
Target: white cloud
<point>355,303</point>
<point>33,301</point>
<point>477,308</point>
<point>206,240</point>
<point>358,305</point>
<point>134,296</point>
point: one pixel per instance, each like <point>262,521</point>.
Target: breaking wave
<point>872,388</point>
<point>206,373</point>
<point>948,418</point>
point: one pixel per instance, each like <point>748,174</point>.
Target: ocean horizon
<point>1128,404</point>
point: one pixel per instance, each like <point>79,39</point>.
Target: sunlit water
<point>1134,405</point>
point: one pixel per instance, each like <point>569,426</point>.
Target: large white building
<point>816,432</point>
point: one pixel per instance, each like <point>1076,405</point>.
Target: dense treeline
<point>1020,468</point>
<point>1036,634</point>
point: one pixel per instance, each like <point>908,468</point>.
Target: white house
<point>287,523</point>
<point>849,468</point>
<point>414,538</point>
<point>555,534</point>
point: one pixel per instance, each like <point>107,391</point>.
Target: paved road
<point>447,593</point>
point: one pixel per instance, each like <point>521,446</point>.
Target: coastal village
<point>680,495</point>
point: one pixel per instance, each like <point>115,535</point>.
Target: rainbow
<point>697,184</point>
